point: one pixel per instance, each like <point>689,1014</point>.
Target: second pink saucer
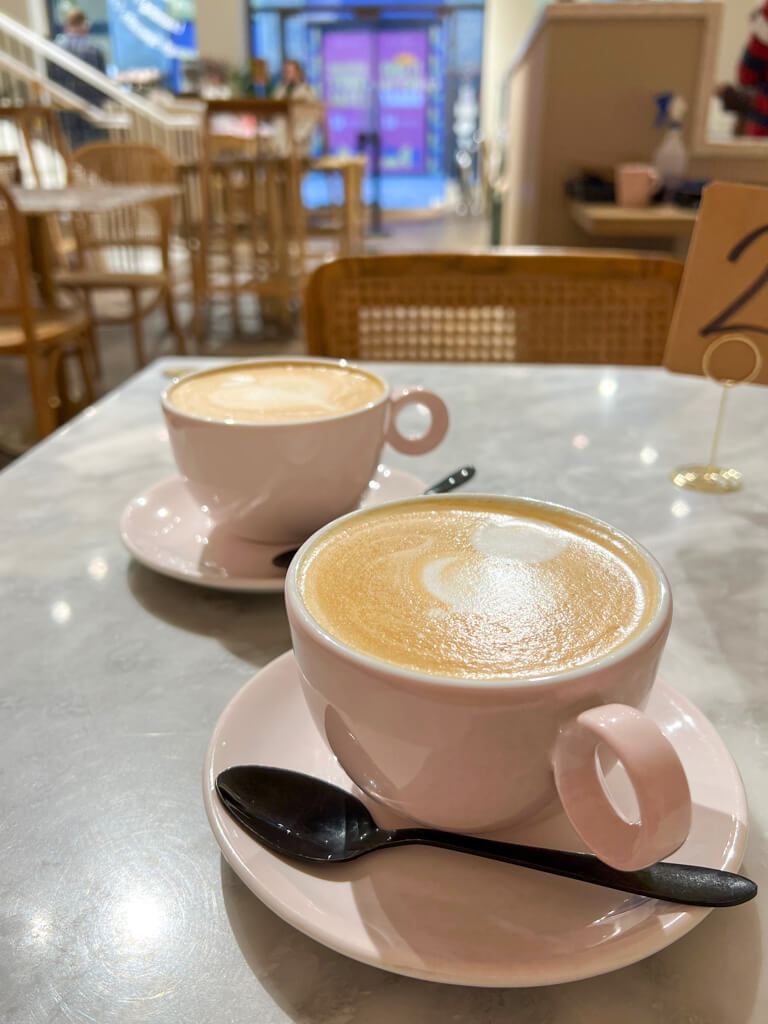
<point>165,530</point>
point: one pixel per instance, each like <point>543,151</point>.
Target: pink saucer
<point>449,917</point>
<point>165,530</point>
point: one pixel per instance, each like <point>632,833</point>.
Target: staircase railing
<point>24,56</point>
<point>19,85</point>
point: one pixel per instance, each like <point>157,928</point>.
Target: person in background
<point>749,99</point>
<point>76,40</point>
<point>294,86</point>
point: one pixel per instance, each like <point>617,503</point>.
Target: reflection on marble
<point>116,906</point>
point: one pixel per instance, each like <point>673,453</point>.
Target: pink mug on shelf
<point>478,754</point>
<point>636,184</point>
<point>276,482</point>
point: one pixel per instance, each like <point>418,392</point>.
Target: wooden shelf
<point>607,220</point>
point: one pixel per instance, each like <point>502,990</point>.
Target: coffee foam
<point>282,392</point>
<point>478,589</point>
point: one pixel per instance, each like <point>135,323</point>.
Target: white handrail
<point>83,71</point>
<point>64,98</point>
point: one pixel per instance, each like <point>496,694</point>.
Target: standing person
<point>76,40</point>
<point>294,86</point>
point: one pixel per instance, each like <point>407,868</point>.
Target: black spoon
<point>308,819</point>
<point>453,480</point>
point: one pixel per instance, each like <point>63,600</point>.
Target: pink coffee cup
<point>636,184</point>
<point>475,755</point>
<point>278,482</point>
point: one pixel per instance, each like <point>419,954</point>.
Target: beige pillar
<point>32,14</point>
<point>734,32</point>
<point>29,12</point>
<point>223,32</point>
<point>507,23</point>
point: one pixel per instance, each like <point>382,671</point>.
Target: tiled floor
<point>428,234</point>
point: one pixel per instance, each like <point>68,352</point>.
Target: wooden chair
<point>41,336</point>
<point>116,249</point>
<point>526,305</point>
<point>252,231</point>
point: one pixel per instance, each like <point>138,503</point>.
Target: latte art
<point>279,392</point>
<point>477,589</point>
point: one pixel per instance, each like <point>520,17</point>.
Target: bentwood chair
<point>42,337</point>
<point>126,250</point>
<point>525,305</point>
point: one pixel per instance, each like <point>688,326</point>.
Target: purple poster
<point>353,62</point>
<point>347,87</point>
<point>402,100</point>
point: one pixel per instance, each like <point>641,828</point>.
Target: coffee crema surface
<point>478,589</point>
<point>281,392</point>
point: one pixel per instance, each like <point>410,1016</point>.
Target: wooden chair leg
<point>234,308</point>
<point>41,377</point>
<point>138,327</point>
<point>70,405</point>
<point>197,260</point>
<point>92,341</point>
<point>82,353</point>
<point>198,324</point>
<point>173,324</point>
<point>66,406</point>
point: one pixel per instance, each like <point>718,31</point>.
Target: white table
<point>87,198</point>
<point>116,905</point>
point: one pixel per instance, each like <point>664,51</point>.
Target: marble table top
<point>116,904</point>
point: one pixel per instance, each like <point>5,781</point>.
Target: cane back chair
<point>42,337</point>
<point>525,305</point>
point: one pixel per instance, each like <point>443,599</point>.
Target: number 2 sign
<point>724,291</point>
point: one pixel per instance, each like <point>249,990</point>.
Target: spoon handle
<point>452,481</point>
<point>678,883</point>
<point>448,483</point>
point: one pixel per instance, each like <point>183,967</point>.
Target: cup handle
<point>434,433</point>
<point>654,770</point>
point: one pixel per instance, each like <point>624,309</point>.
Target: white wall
<point>733,35</point>
<point>29,12</point>
<point>507,23</point>
<point>222,32</point>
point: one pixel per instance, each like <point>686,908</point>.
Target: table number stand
<point>713,478</point>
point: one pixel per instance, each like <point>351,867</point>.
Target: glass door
<point>376,80</point>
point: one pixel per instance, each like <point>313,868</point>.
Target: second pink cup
<point>276,483</point>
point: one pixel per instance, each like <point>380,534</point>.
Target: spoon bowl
<point>297,815</point>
